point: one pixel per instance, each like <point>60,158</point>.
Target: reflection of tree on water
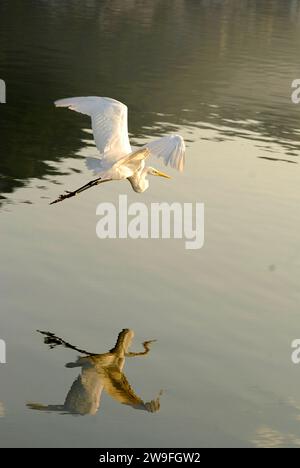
<point>100,372</point>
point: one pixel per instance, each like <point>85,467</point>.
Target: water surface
<point>220,74</point>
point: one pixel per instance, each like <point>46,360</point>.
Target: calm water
<point>220,372</point>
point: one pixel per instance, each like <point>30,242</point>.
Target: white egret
<point>117,159</point>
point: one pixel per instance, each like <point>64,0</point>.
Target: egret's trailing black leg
<point>69,194</point>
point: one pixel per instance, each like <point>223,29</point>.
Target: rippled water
<point>220,74</point>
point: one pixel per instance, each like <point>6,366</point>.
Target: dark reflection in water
<point>99,372</point>
<point>203,63</point>
<point>278,159</point>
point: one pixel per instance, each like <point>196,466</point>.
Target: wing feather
<point>169,148</point>
<point>109,123</point>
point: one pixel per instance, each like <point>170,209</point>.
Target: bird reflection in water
<point>99,372</point>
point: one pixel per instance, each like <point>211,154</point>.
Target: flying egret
<point>117,159</point>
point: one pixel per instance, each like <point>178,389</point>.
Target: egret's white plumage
<point>109,123</point>
<point>117,159</point>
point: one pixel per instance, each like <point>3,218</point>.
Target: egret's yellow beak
<point>162,174</point>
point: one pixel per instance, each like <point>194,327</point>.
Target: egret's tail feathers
<point>94,164</point>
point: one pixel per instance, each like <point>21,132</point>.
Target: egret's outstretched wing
<point>109,123</point>
<point>171,149</point>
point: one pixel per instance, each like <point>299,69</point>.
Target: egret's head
<point>155,172</point>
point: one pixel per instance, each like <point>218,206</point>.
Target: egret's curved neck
<point>139,180</point>
<point>144,182</point>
